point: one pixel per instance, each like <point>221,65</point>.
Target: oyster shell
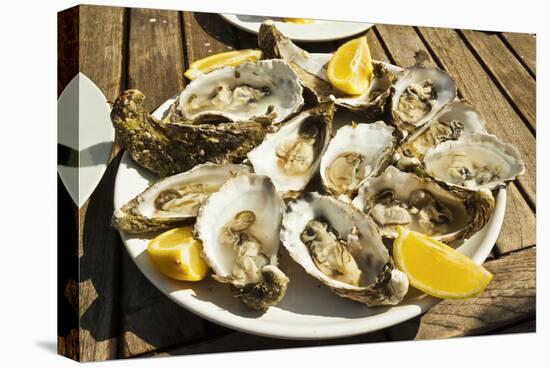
<point>311,70</point>
<point>420,204</point>
<point>265,89</point>
<point>174,199</point>
<point>291,156</point>
<point>343,249</point>
<point>355,153</point>
<point>167,149</point>
<point>239,227</point>
<point>418,94</point>
<point>481,161</point>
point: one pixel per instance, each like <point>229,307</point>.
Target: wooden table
<point>123,315</point>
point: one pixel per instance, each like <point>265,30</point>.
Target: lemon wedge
<point>436,268</point>
<point>350,68</point>
<point>177,254</point>
<point>230,58</point>
<point>298,20</point>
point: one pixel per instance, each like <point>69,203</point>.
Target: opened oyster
<point>167,149</point>
<point>173,199</point>
<point>457,120</point>
<point>356,152</point>
<point>479,162</point>
<point>342,248</point>
<point>419,204</point>
<point>239,227</point>
<point>311,70</point>
<point>418,94</point>
<point>291,156</point>
<point>266,89</point>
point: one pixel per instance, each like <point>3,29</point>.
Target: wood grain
<point>206,34</point>
<point>508,300</point>
<point>519,228</point>
<point>508,72</point>
<point>156,63</point>
<point>524,46</point>
<point>477,86</point>
<point>404,46</point>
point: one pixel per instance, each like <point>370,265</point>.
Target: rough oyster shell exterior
<point>167,148</point>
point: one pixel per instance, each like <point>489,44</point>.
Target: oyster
<point>291,156</point>
<point>420,204</point>
<point>343,249</point>
<point>265,89</point>
<point>173,199</point>
<point>311,70</point>
<point>356,152</point>
<point>456,120</point>
<point>479,162</point>
<point>418,94</point>
<point>239,227</point>
<point>167,149</point>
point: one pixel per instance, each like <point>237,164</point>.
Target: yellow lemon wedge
<point>177,254</point>
<point>298,20</point>
<point>230,58</point>
<point>436,268</point>
<point>350,68</point>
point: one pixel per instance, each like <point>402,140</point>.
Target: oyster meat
<point>418,94</point>
<point>420,204</point>
<point>265,89</point>
<point>174,199</point>
<point>291,155</point>
<point>343,249</point>
<point>311,70</point>
<point>167,149</point>
<point>480,161</point>
<point>355,153</point>
<point>239,228</point>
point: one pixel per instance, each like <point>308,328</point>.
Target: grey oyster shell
<point>477,162</point>
<point>264,90</point>
<point>422,205</point>
<point>239,228</point>
<point>376,281</point>
<point>168,148</point>
<point>174,199</point>
<point>311,70</point>
<point>291,155</point>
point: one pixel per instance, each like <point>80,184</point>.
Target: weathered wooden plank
<point>206,34</point>
<point>150,320</point>
<point>509,298</point>
<point>376,50</point>
<point>518,230</point>
<point>156,63</point>
<point>477,86</point>
<point>405,46</point>
<point>524,45</point>
<point>513,78</point>
<point>236,342</point>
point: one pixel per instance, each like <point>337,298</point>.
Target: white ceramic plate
<point>309,310</point>
<point>320,30</point>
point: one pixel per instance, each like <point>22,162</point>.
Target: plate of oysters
<point>267,200</point>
